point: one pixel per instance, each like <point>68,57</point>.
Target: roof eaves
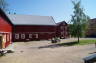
<point>3,14</point>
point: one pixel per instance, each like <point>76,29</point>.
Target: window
<point>30,35</point>
<point>61,33</point>
<point>36,35</point>
<point>65,27</point>
<point>16,36</point>
<point>61,27</point>
<point>22,36</point>
<point>63,24</point>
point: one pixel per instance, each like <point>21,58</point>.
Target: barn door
<point>0,42</point>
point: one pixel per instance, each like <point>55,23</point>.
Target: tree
<point>79,20</point>
<point>3,5</point>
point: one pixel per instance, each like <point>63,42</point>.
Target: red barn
<point>5,30</point>
<point>28,27</point>
<point>62,30</point>
<point>91,31</point>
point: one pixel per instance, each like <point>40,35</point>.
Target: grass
<point>85,42</point>
<point>82,42</point>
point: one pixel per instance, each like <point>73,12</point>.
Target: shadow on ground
<point>59,45</point>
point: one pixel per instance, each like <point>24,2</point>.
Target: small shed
<point>5,30</point>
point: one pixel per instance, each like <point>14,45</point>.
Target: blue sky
<point>60,9</point>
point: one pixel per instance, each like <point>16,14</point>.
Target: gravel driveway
<point>29,52</point>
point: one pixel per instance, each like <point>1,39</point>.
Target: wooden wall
<point>37,32</point>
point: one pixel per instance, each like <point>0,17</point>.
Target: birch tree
<point>3,5</point>
<point>79,20</point>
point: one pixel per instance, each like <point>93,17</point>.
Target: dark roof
<point>92,20</point>
<point>61,23</point>
<point>3,15</point>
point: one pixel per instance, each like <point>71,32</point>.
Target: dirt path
<point>29,52</point>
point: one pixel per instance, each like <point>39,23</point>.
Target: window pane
<point>36,35</point>
<point>30,35</point>
<point>22,36</point>
<point>16,36</point>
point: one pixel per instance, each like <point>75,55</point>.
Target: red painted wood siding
<point>34,28</point>
<point>7,29</point>
<point>4,25</point>
<point>44,32</point>
<point>91,31</point>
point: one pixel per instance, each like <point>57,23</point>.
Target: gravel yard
<point>30,52</point>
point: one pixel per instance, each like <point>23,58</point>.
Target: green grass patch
<point>85,42</point>
<point>82,42</point>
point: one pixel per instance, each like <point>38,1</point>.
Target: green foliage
<point>79,21</point>
<point>3,5</point>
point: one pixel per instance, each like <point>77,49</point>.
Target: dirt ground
<point>42,52</point>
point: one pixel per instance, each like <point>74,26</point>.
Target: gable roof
<point>31,20</point>
<point>3,15</point>
<point>61,23</point>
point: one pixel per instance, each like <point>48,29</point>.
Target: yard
<point>46,52</point>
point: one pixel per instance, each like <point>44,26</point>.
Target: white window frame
<point>22,36</point>
<point>36,35</point>
<point>30,35</point>
<point>16,36</point>
<point>8,37</point>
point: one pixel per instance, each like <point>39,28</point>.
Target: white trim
<point>36,35</point>
<point>22,36</point>
<point>16,36</point>
<point>4,38</point>
<point>0,34</point>
<point>30,35</point>
<point>11,37</point>
<point>4,32</point>
<point>8,37</point>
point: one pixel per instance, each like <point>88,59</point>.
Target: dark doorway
<point>0,42</point>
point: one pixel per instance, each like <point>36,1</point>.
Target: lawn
<point>85,42</point>
<point>82,42</point>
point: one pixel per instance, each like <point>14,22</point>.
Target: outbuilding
<point>62,30</point>
<point>29,27</point>
<point>91,30</point>
<point>5,30</point>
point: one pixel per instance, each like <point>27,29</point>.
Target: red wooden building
<point>28,27</point>
<point>91,31</point>
<point>5,30</point>
<point>62,30</point>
